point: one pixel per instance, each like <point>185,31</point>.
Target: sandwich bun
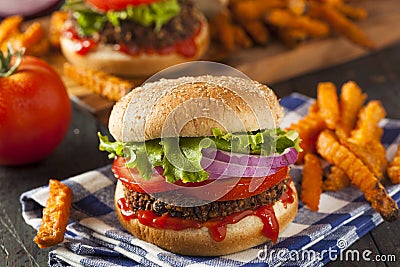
<point>198,242</point>
<point>107,59</point>
<point>200,103</point>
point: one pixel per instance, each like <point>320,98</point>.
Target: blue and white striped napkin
<point>94,237</point>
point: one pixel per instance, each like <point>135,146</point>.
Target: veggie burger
<point>133,37</point>
<point>202,167</point>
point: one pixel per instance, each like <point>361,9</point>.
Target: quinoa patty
<point>143,201</point>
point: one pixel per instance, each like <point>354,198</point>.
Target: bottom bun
<point>198,242</point>
<point>105,58</point>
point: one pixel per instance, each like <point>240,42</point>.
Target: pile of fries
<point>346,133</point>
<point>33,39</point>
<point>245,23</point>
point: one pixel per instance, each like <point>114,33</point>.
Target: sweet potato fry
<point>373,160</point>
<point>329,148</point>
<point>341,24</point>
<point>257,30</point>
<point>351,101</point>
<point>33,39</point>
<point>8,26</point>
<point>328,104</point>
<point>298,7</point>
<point>31,36</point>
<point>55,215</point>
<point>224,30</point>
<point>293,37</point>
<point>353,12</point>
<point>331,3</point>
<point>378,151</point>
<point>241,38</point>
<point>393,170</point>
<point>254,9</point>
<point>311,183</point>
<point>336,180</point>
<point>285,19</point>
<point>56,25</point>
<point>367,124</point>
<point>308,128</point>
<point>98,82</point>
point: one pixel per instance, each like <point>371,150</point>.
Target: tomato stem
<point>6,69</point>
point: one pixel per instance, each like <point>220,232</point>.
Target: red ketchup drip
<point>271,225</point>
<point>186,47</point>
<point>216,226</point>
<point>126,211</point>
<point>287,197</point>
<point>82,45</point>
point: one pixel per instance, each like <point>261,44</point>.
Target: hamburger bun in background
<point>199,188</point>
<point>130,44</point>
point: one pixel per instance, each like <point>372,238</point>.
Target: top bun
<point>192,106</point>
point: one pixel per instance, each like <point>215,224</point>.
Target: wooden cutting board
<point>274,62</point>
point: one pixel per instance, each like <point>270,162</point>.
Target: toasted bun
<point>198,242</point>
<point>106,59</point>
<point>192,106</point>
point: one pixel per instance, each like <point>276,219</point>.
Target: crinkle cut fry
<point>367,128</point>
<point>8,26</point>
<point>329,148</point>
<point>55,215</point>
<point>351,101</point>
<point>311,184</point>
<point>32,35</point>
<point>336,180</point>
<point>328,104</point>
<point>368,156</point>
<point>393,170</point>
<point>308,128</point>
<point>104,84</point>
<point>56,26</point>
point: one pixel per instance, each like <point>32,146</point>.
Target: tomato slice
<point>234,188</point>
<point>213,190</point>
<point>117,4</point>
<point>132,180</point>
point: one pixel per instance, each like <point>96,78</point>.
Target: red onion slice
<point>221,164</point>
<point>273,161</point>
<point>223,169</point>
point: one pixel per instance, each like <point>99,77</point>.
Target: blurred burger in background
<point>133,37</point>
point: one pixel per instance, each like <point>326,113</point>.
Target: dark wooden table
<point>378,74</point>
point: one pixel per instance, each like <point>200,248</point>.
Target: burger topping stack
<point>199,183</point>
<point>134,27</point>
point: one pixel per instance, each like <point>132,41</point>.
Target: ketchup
<point>186,47</point>
<point>82,45</point>
<point>287,197</point>
<point>216,226</point>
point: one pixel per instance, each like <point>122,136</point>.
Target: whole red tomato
<point>35,111</point>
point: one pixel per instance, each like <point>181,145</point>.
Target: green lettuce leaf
<point>156,14</point>
<point>180,157</point>
<point>263,142</point>
<point>90,21</point>
<point>182,160</point>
